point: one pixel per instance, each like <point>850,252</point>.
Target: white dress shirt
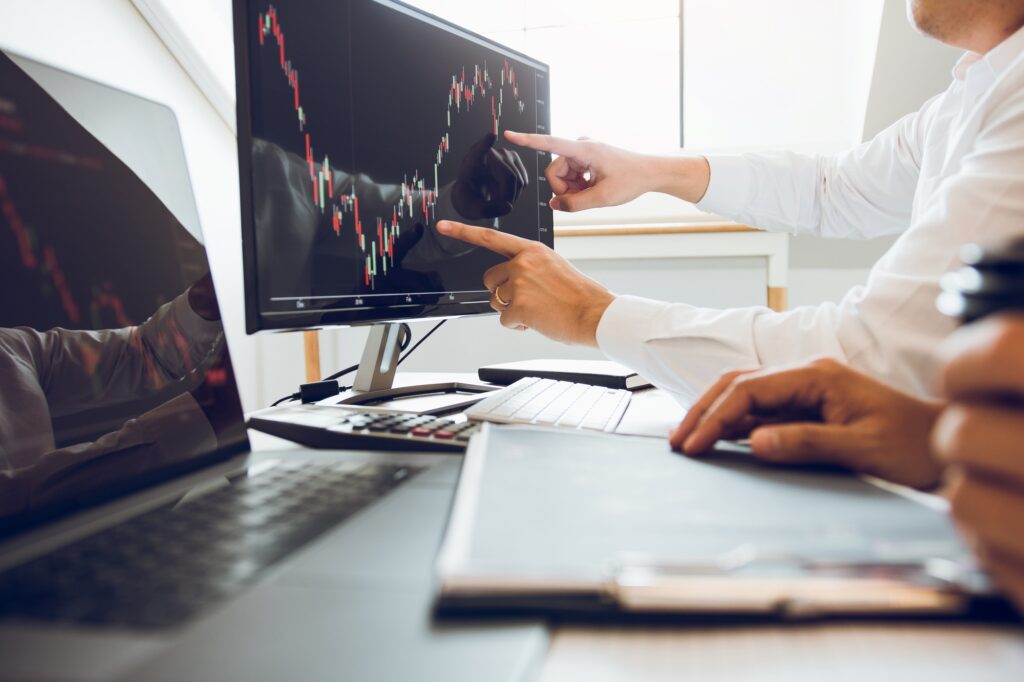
<point>949,174</point>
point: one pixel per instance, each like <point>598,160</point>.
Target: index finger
<point>751,396</point>
<point>507,245</point>
<point>697,410</point>
<point>545,143</point>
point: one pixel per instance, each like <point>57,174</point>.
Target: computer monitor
<point>361,124</point>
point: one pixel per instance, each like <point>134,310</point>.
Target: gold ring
<point>497,296</point>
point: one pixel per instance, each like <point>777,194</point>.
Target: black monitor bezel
<point>415,307</point>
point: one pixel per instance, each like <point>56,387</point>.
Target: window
<point>614,75</point>
<point>788,74</point>
<point>757,74</point>
<point>610,60</point>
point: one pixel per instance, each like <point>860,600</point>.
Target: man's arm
<point>886,329</point>
<point>87,369</point>
<point>173,432</point>
<point>863,193</point>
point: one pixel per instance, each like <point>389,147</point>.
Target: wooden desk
<point>687,240</point>
<point>808,653</point>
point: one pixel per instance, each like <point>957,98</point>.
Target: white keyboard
<point>554,403</point>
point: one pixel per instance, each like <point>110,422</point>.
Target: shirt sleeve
<point>86,369</point>
<point>683,348</point>
<point>173,432</point>
<point>888,328</point>
<point>862,193</point>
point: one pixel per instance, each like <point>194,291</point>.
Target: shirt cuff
<point>179,428</point>
<point>198,329</point>
<point>729,190</point>
<point>626,326</point>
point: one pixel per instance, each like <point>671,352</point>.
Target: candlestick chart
<point>106,306</point>
<point>38,258</point>
<point>485,95</point>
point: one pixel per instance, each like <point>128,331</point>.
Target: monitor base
<point>477,393</point>
<point>375,378</point>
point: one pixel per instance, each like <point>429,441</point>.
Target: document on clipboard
<point>553,521</point>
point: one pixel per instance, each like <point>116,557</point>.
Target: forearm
<point>684,349</point>
<point>683,177</point>
<point>88,369</point>
<point>780,191</point>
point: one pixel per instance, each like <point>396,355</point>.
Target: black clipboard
<point>573,523</point>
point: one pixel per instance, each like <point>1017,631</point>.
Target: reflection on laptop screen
<point>114,371</point>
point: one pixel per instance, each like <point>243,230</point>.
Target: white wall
<point>108,41</point>
<point>908,69</point>
<point>788,74</point>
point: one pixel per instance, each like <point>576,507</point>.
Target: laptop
<point>141,538</point>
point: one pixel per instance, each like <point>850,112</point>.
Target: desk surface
<point>787,653</point>
<point>811,653</point>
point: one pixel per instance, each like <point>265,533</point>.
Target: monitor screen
<point>361,124</point>
<point>114,371</point>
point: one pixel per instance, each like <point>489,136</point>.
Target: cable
<point>402,345</point>
<point>425,337</point>
<point>293,396</point>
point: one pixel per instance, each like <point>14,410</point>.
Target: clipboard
<point>559,522</point>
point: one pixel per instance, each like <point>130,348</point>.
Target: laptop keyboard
<point>161,568</point>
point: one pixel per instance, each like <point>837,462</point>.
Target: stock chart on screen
<point>370,122</point>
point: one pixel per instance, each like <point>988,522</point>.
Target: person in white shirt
<point>949,174</point>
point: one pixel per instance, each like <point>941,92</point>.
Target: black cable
<point>402,345</point>
<point>425,337</point>
<point>293,396</point>
<point>347,370</point>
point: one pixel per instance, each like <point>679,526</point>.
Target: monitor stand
<point>375,378</point>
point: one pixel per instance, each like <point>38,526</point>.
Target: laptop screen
<point>114,372</point>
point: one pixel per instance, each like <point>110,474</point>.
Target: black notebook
<point>593,372</point>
